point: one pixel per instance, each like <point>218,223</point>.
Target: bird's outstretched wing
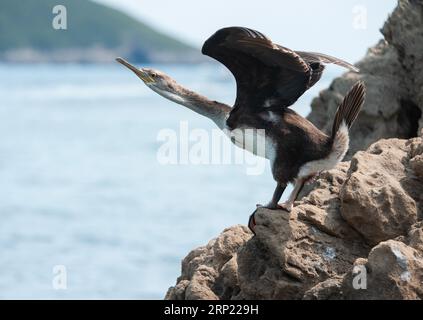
<point>267,75</point>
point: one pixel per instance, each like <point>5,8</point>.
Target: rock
<point>298,253</point>
<point>374,200</point>
<point>415,237</point>
<point>416,154</point>
<point>209,272</point>
<point>326,290</point>
<point>393,73</point>
<point>394,271</point>
<point>366,213</point>
<point>417,165</point>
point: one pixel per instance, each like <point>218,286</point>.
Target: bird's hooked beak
<point>144,76</point>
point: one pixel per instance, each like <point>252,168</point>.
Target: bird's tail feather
<point>344,118</point>
<point>350,108</point>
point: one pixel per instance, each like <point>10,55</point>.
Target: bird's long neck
<point>215,111</point>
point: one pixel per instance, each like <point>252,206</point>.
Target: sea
<point>87,209</point>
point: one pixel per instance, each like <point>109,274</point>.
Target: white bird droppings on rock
<point>329,254</point>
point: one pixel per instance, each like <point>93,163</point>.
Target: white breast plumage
<point>254,141</point>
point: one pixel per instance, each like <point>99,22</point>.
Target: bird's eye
<point>153,75</point>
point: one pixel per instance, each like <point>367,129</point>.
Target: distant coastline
<point>93,33</point>
<point>96,55</point>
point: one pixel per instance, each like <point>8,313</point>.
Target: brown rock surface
<point>394,272</point>
<point>367,212</point>
<point>375,198</point>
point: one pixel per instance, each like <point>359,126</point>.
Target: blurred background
<point>80,184</point>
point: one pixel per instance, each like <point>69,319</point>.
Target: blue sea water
<point>81,187</point>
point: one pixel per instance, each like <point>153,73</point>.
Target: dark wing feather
<point>267,75</point>
<point>314,57</point>
<point>317,62</point>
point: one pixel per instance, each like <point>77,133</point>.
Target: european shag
<point>270,78</point>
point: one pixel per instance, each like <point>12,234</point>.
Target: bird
<point>269,78</point>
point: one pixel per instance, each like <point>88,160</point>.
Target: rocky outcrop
<point>386,207</point>
<point>357,235</point>
<point>393,73</point>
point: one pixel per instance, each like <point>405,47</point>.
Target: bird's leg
<point>273,204</point>
<point>289,205</point>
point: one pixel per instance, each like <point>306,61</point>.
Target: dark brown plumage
<point>267,75</point>
<point>270,78</point>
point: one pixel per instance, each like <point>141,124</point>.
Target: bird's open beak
<point>144,76</point>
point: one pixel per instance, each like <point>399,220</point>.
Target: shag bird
<point>270,78</point>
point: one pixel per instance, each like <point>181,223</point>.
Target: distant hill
<point>95,33</point>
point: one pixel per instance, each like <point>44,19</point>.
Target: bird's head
<point>154,79</point>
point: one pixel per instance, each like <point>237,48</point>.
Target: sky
<point>341,28</point>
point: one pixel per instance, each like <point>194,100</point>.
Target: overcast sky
<point>343,28</point>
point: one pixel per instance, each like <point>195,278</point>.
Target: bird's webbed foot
<point>270,206</point>
<point>252,223</point>
<point>273,204</point>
